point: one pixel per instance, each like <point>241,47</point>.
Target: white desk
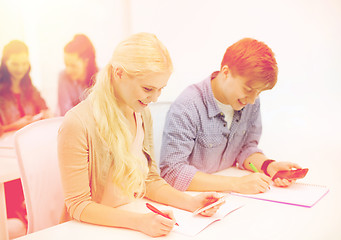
<point>7,145</point>
<point>9,171</point>
<point>260,220</point>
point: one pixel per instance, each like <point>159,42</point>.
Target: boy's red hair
<point>253,60</point>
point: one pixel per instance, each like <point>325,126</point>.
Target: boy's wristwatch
<point>265,165</point>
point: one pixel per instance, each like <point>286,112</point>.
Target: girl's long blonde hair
<point>139,55</point>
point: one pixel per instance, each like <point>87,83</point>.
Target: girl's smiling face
<point>137,93</point>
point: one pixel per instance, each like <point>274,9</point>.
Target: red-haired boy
<point>216,124</point>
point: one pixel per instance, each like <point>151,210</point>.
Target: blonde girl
<point>105,144</point>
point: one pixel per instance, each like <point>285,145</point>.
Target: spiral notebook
<point>299,194</point>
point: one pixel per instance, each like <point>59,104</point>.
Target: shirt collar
<point>212,107</point>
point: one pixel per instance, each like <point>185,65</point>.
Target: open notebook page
<point>191,225</point>
<point>300,194</point>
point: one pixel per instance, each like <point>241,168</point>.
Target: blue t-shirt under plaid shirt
<point>196,136</point>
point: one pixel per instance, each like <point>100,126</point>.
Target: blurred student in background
<point>20,105</point>
<point>80,67</point>
<point>105,144</point>
<point>20,102</point>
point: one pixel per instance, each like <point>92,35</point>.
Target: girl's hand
<point>156,225</point>
<point>204,199</point>
<point>46,114</point>
<point>42,115</point>
<point>22,122</point>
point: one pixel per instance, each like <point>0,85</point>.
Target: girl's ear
<point>117,72</point>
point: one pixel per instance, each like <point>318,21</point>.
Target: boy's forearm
<point>257,159</point>
<point>209,182</point>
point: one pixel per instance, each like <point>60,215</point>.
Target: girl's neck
<point>82,79</point>
<point>127,111</point>
<point>131,121</point>
<point>15,85</point>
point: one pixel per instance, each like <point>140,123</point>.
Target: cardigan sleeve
<point>73,162</point>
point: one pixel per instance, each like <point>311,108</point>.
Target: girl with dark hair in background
<point>20,102</point>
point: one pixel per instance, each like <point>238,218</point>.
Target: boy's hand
<point>253,183</point>
<point>274,167</point>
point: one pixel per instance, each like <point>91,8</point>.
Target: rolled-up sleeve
<point>177,144</point>
<point>73,162</point>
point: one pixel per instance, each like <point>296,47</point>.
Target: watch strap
<point>265,165</point>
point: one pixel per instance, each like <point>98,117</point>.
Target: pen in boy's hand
<point>253,167</point>
<point>155,210</point>
<point>255,170</point>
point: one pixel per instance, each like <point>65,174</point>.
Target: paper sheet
<point>300,194</point>
<point>191,225</point>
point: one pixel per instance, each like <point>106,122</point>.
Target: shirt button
<point>210,145</point>
<point>224,124</point>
